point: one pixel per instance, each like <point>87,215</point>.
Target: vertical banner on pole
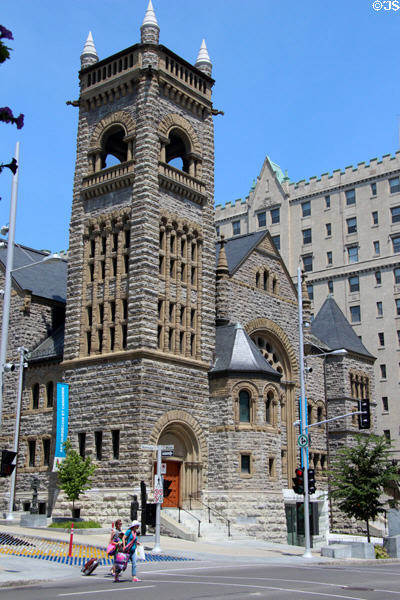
<point>305,429</point>
<point>62,423</point>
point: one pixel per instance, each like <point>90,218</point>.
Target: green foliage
<point>74,473</point>
<point>360,474</point>
<point>380,552</point>
<point>77,525</point>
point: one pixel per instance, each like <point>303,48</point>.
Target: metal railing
<point>210,510</point>
<point>190,514</point>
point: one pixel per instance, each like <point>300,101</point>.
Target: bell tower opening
<point>177,150</point>
<point>114,148</point>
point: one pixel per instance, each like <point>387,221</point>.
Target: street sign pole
<point>158,488</point>
<point>157,547</point>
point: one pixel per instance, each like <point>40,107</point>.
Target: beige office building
<point>344,227</point>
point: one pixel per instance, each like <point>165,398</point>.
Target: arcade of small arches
<point>267,281</point>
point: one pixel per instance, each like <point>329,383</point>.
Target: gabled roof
<point>237,353</point>
<point>51,348</point>
<point>331,326</point>
<point>238,248</point>
<point>46,280</point>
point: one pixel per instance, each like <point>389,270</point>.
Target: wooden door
<point>172,475</point>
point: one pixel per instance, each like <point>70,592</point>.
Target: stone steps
<point>214,532</point>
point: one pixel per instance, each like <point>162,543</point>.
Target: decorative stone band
<point>108,180</point>
<point>181,183</point>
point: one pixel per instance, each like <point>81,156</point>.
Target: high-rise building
<point>344,227</point>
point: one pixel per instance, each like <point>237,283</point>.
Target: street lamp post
<point>7,285</point>
<point>303,413</point>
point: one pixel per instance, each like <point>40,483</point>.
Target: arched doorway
<point>184,469</point>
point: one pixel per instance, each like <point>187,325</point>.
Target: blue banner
<point>62,422</point>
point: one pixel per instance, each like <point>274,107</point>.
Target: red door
<point>172,475</point>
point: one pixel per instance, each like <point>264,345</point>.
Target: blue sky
<point>313,84</point>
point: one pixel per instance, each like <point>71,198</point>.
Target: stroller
<point>120,564</point>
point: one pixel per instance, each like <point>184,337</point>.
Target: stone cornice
<point>140,353</point>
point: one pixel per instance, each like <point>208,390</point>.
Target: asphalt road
<point>202,580</point>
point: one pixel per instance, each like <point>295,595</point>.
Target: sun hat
<point>134,524</point>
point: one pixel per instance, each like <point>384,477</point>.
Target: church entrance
<point>171,482</point>
<point>184,470</point>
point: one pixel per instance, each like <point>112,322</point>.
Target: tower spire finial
<point>150,30</point>
<point>203,62</point>
<point>89,53</point>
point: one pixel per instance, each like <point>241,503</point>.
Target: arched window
<point>244,406</point>
<point>50,394</point>
<point>177,150</point>
<point>309,414</point>
<point>258,279</point>
<point>35,396</point>
<point>269,351</point>
<point>265,282</point>
<point>114,148</point>
<point>269,408</point>
<point>320,413</point>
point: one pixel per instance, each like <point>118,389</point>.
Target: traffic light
<point>166,485</point>
<point>298,482</point>
<point>7,467</point>
<point>311,481</point>
<point>364,420</point>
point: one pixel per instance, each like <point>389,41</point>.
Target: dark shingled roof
<point>51,348</point>
<point>46,280</point>
<point>236,352</point>
<point>331,326</point>
<point>238,248</point>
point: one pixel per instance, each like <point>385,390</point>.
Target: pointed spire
<point>89,53</point>
<point>203,62</point>
<point>150,30</point>
<point>222,266</point>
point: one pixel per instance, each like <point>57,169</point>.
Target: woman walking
<point>130,542</point>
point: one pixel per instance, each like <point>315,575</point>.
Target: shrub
<point>77,525</point>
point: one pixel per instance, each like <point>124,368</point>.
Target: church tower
<point>140,318</point>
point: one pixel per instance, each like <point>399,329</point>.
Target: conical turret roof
<point>331,326</point>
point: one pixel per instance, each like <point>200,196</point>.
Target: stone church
<point>164,334</point>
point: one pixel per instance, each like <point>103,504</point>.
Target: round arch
<point>270,328</point>
<point>175,121</point>
<point>121,118</point>
<point>190,451</point>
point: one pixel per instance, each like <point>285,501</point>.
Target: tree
<point>74,473</point>
<point>359,476</point>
